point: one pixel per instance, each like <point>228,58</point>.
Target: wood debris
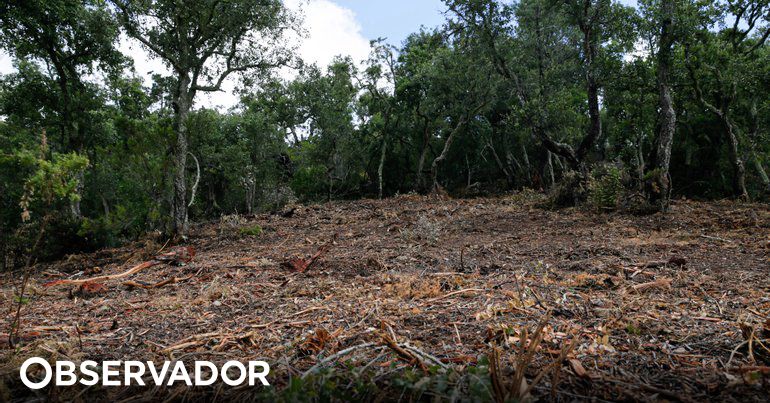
<point>637,308</point>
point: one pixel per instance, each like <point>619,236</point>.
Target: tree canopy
<point>593,102</point>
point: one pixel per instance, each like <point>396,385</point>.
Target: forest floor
<point>415,297</point>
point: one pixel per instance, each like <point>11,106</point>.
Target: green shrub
<point>570,191</point>
<point>254,230</point>
<point>605,187</point>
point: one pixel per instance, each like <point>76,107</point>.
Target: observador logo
<point>134,373</point>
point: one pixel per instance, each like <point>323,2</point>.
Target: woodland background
<point>598,104</point>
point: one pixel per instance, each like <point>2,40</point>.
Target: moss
<point>254,230</point>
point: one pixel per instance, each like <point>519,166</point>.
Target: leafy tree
<point>418,94</point>
<point>330,153</point>
<point>72,38</point>
<point>659,182</point>
<point>203,43</point>
<point>723,67</point>
<point>380,103</point>
<point>606,30</point>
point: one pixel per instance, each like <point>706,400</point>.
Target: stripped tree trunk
<point>549,169</point>
<point>500,165</point>
<point>182,104</point>
<point>381,167</point>
<point>660,187</point>
<point>421,163</point>
<point>444,153</point>
<point>761,171</point>
<point>739,171</point>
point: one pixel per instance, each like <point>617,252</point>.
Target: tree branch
<point>130,26</point>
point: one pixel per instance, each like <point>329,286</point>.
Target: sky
<point>333,27</point>
<point>394,19</point>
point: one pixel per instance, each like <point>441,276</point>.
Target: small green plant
<point>605,188</point>
<point>54,178</point>
<point>253,230</point>
<point>631,329</point>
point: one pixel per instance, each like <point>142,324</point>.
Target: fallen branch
<point>182,346</point>
<point>716,238</point>
<point>159,284</point>
<point>417,351</point>
<point>636,271</point>
<point>453,293</point>
<point>662,283</point>
<point>178,255</point>
<point>406,355</point>
<point>336,355</point>
<point>134,270</point>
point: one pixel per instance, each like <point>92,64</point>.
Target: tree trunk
<point>71,127</point>
<point>527,166</point>
<point>549,170</point>
<point>470,172</point>
<point>640,164</point>
<point>761,171</point>
<point>423,155</point>
<point>182,105</point>
<point>739,172</point>
<point>381,166</point>
<point>508,174</point>
<point>444,152</point>
<point>660,188</point>
<point>753,136</point>
<point>592,87</point>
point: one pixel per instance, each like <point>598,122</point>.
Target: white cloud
<point>330,29</point>
<point>145,63</point>
<point>6,63</point>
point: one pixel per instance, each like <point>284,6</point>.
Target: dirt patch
<point>660,305</point>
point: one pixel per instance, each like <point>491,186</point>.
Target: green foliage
<point>41,186</point>
<point>605,187</point>
<point>51,180</point>
<point>507,82</point>
<point>253,230</point>
<point>472,384</point>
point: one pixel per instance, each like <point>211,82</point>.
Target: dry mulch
<point>664,307</point>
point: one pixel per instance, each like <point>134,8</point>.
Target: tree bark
<point>549,170</point>
<point>592,87</point>
<point>182,105</point>
<point>508,174</point>
<point>423,155</point>
<point>761,171</point>
<point>527,166</point>
<point>739,171</point>
<point>660,187</point>
<point>640,164</point>
<point>381,166</point>
<point>445,152</point>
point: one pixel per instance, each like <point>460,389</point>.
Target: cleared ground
<point>664,307</point>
